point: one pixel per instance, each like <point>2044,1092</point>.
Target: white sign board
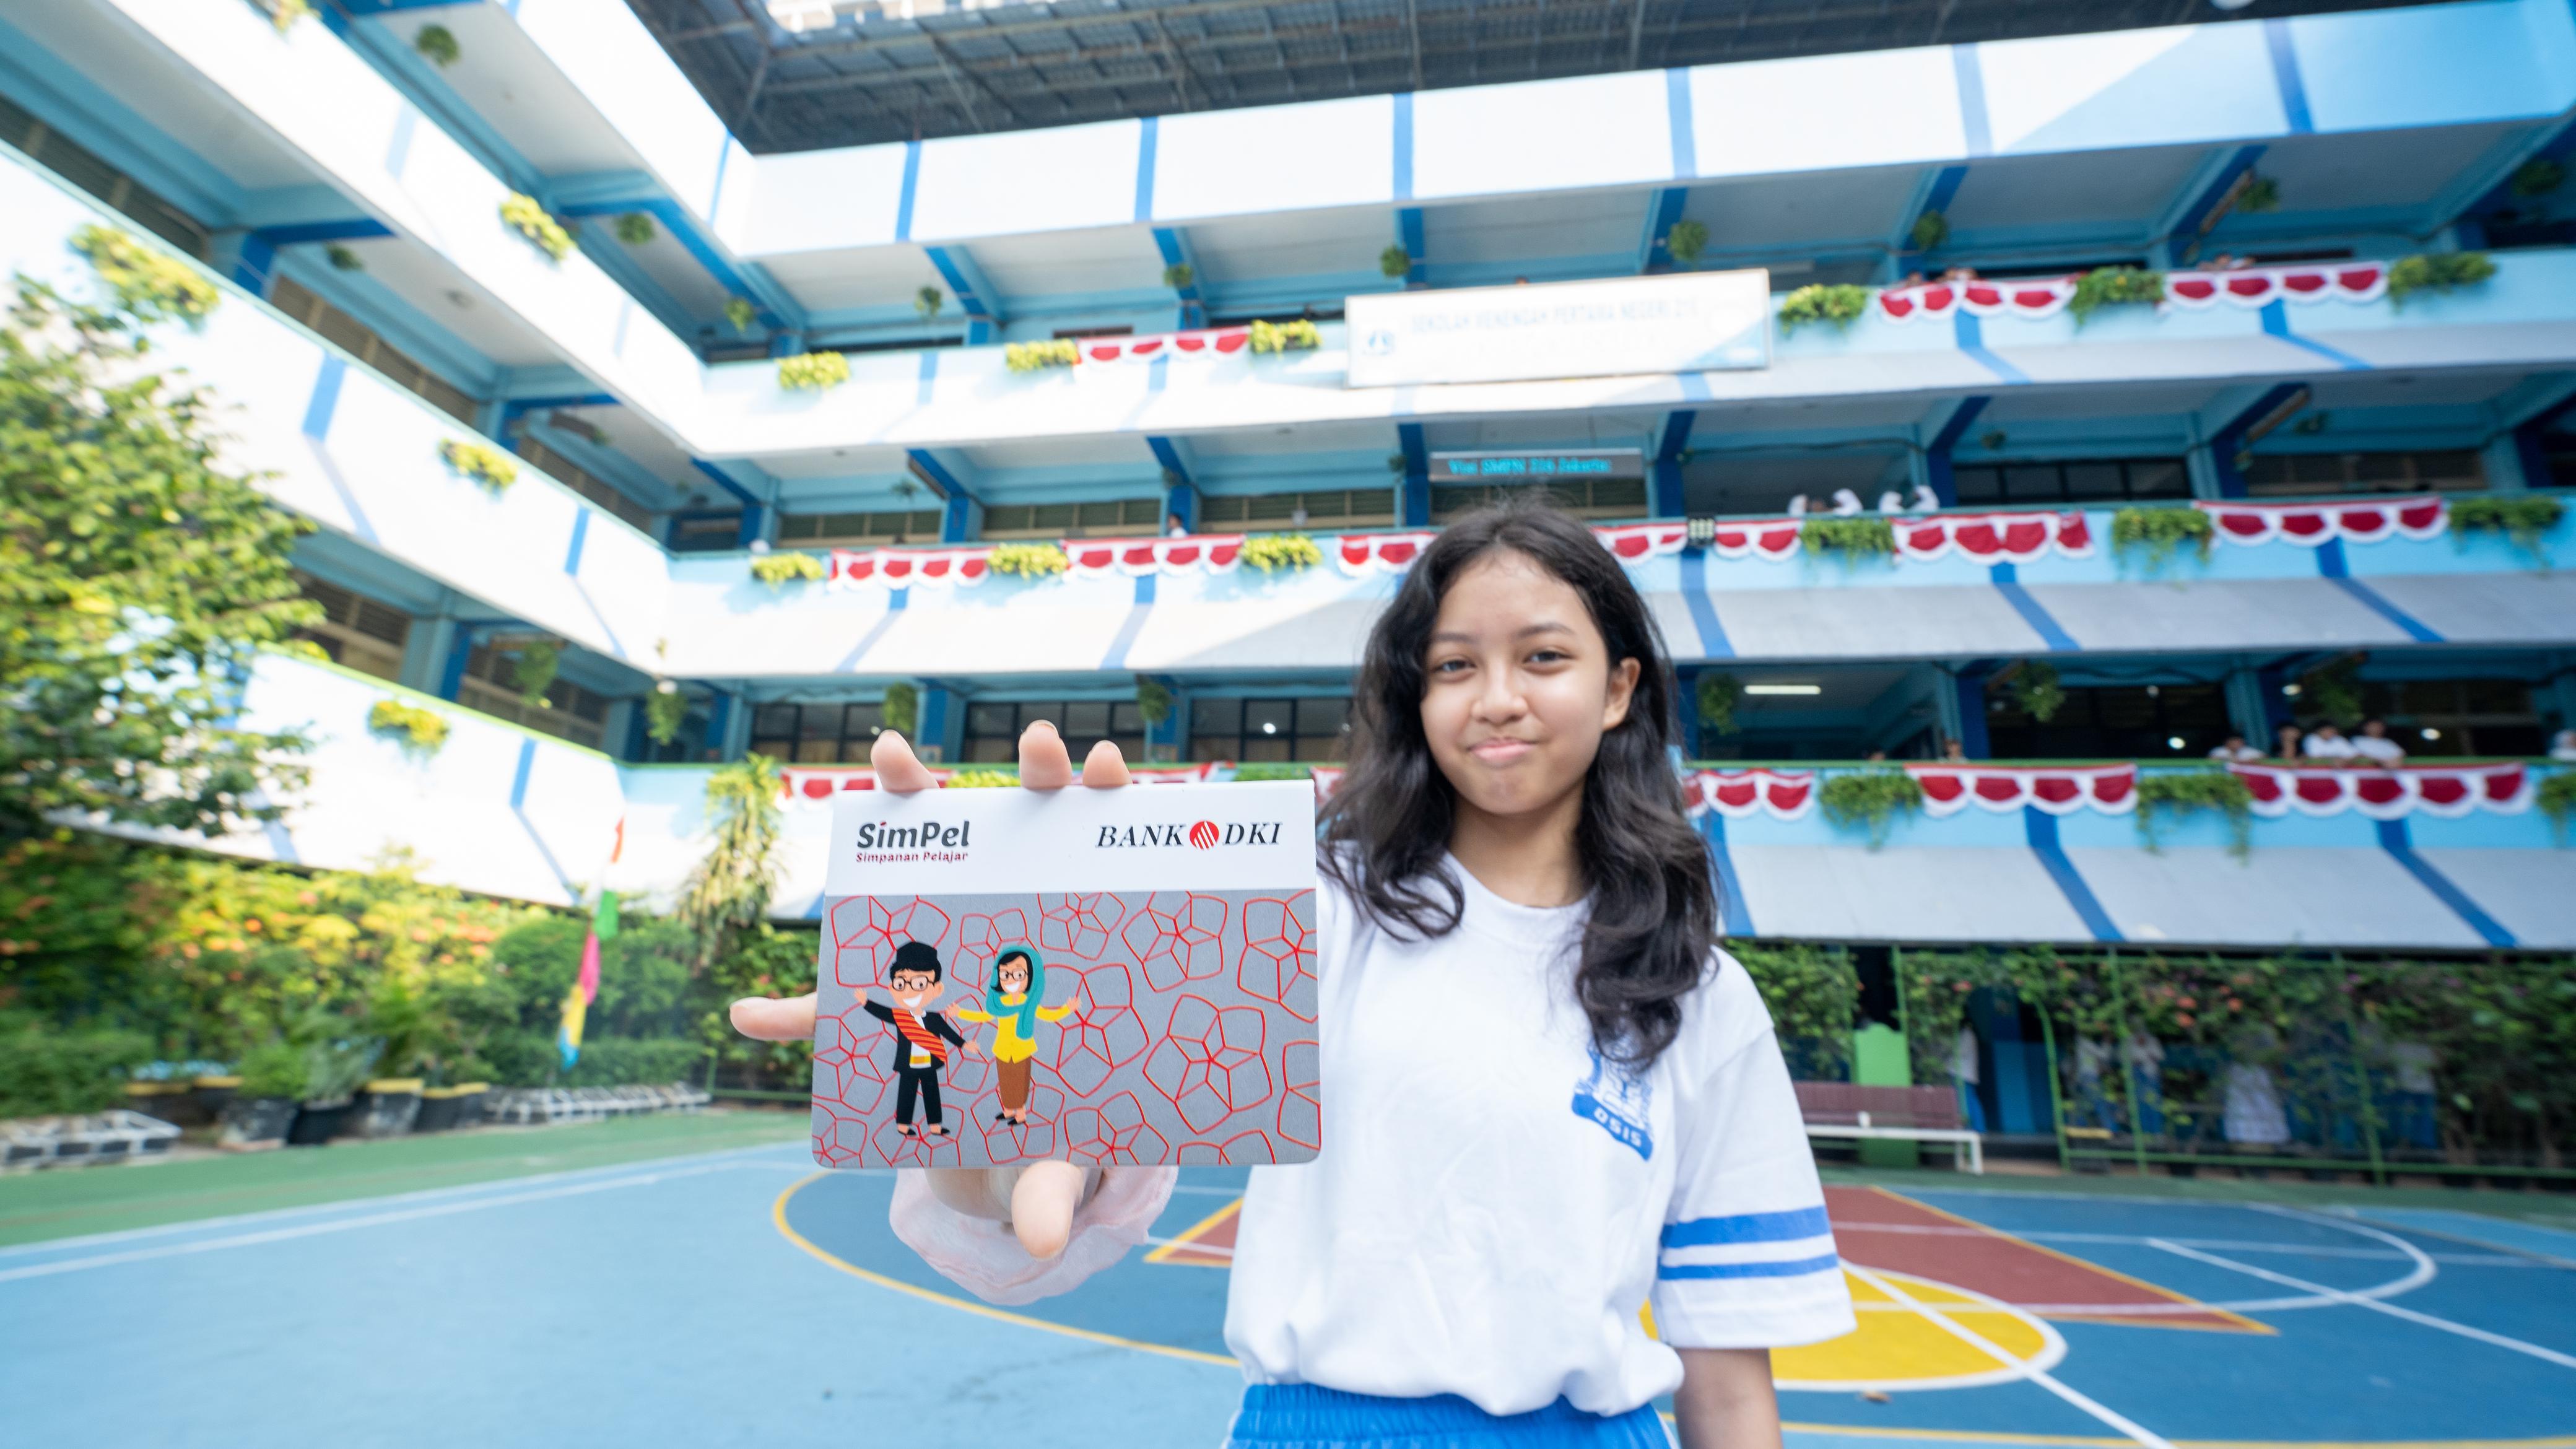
<point>1685,322</point>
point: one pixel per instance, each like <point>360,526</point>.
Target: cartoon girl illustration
<point>1011,1004</point>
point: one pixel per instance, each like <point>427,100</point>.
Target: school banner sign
<point>1686,322</point>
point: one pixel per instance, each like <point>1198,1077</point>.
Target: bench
<point>1847,1111</point>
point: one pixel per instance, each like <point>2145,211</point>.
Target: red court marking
<point>1215,1231</point>
<point>1947,1248</point>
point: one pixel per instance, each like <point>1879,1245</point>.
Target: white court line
<point>1188,1246</point>
<point>1978,1341</point>
<point>426,1194</point>
<point>2496,1259</point>
<point>370,1220</point>
<point>1184,1187</point>
<point>2550,1355</point>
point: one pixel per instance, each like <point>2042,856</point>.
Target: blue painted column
<point>1664,496</point>
<point>939,735</point>
<point>1937,469</point>
<point>1170,739</point>
<point>1971,717</point>
<point>2016,1072</point>
<point>1413,498</point>
<point>2525,455</point>
<point>249,259</point>
<point>1686,684</point>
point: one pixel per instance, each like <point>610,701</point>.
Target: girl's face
<point>1015,976</point>
<point>1518,686</point>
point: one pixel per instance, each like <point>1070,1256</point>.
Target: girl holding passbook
<point>1549,1096</point>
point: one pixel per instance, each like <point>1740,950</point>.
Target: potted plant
<point>385,1107</point>
<point>261,1110</point>
<point>214,1094</point>
<point>445,1108</point>
<point>334,1068</point>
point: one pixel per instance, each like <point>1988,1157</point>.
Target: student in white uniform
<point>1548,1096</point>
<point>2374,745</point>
<point>2327,743</point>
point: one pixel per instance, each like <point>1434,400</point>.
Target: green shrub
<point>44,1071</point>
<point>2437,272</point>
<point>2160,531</point>
<point>1929,231</point>
<point>778,570</point>
<point>2036,689</point>
<point>488,466</point>
<point>625,1062</point>
<point>1686,241</point>
<point>151,285</point>
<point>1272,552</point>
<point>928,301</point>
<point>1153,701</point>
<point>2261,194</point>
<point>1394,263</point>
<point>740,312</point>
<point>813,371</point>
<point>2114,286</point>
<point>1869,798</point>
<point>1028,560</point>
<point>2176,792</point>
<point>421,730</point>
<point>274,1070</point>
<point>437,44</point>
<point>1853,538</point>
<point>534,670</point>
<point>2557,800</point>
<point>1841,305</point>
<point>2523,518</point>
<point>1034,356</point>
<point>664,711</point>
<point>901,707</point>
<point>1179,275</point>
<point>1296,336</point>
<point>2538,176</point>
<point>636,229</point>
<point>1273,770</point>
<point>342,259</point>
<point>1717,696</point>
<point>1813,991</point>
<point>522,212</point>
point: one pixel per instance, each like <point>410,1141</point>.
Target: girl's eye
<point>1448,666</point>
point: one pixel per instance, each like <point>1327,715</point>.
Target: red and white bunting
<point>822,782</point>
<point>1737,794</point>
<point>2449,791</point>
<point>2032,297</point>
<point>1994,537</point>
<point>2420,516</point>
<point>2259,286</point>
<point>901,568</point>
<point>1213,553</point>
<point>2055,790</point>
<point>1213,342</point>
<point>1765,538</point>
<point>1380,553</point>
<point>1637,542</point>
<point>1328,778</point>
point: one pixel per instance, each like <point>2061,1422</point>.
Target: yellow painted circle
<point>1918,1334</point>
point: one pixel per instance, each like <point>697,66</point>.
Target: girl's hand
<point>1037,1200</point>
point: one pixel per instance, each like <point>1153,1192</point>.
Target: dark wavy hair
<point>1654,913</point>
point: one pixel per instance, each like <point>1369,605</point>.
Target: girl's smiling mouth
<point>1499,751</point>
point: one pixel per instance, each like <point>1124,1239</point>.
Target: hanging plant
<point>2261,194</point>
<point>1869,798</point>
<point>901,708</point>
<point>1395,463</point>
<point>2036,689</point>
<point>1272,552</point>
<point>2333,691</point>
<point>1841,305</point>
<point>1033,356</point>
<point>522,212</point>
<point>778,570</point>
<point>2538,176</point>
<point>1153,701</point>
<point>2525,519</point>
<point>1686,241</point>
<point>664,711</point>
<point>2160,531</point>
<point>728,891</point>
<point>740,312</point>
<point>1296,336</point>
<point>342,259</point>
<point>636,229</point>
<point>153,286</point>
<point>1930,230</point>
<point>1853,538</point>
<point>928,301</point>
<point>1717,697</point>
<point>1395,262</point>
<point>813,371</point>
<point>2557,800</point>
<point>534,671</point>
<point>488,466</point>
<point>420,731</point>
<point>437,44</point>
<point>2176,792</point>
<point>1028,560</point>
<point>1179,275</point>
<point>2437,272</point>
<point>2114,286</point>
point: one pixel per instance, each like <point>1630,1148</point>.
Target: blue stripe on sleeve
<point>1791,1268</point>
<point>1779,1227</point>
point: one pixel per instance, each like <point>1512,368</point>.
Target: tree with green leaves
<point>727,892</point>
<point>138,582</point>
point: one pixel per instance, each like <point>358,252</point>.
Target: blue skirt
<point>1302,1416</point>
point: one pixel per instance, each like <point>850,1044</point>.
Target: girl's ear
<point>1623,688</point>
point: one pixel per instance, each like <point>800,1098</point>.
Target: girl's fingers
<point>1044,765</point>
<point>898,769</point>
<point>772,1018</point>
<point>977,1192</point>
<point>1104,767</point>
<point>1042,1206</point>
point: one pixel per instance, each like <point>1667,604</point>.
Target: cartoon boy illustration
<point>922,1037</point>
<point>1011,1004</point>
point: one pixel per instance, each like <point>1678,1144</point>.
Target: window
<point>2272,474</point>
<point>705,532</point>
<point>2466,716</point>
<point>1074,520</point>
<point>2130,722</point>
<point>76,164</point>
<point>1336,507</point>
<point>817,734</point>
<point>1269,729</point>
<point>921,526</point>
<point>359,341</point>
<point>356,631</point>
<point>2089,481</point>
<point>993,726</point>
<point>1064,334</point>
<point>1584,498</point>
<point>582,481</point>
<point>567,711</point>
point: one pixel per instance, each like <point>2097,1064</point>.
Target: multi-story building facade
<point>2316,477</point>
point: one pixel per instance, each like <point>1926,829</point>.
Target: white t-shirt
<point>1493,1204</point>
<point>2322,747</point>
<point>2377,747</point>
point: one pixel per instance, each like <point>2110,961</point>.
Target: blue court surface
<point>740,1298</point>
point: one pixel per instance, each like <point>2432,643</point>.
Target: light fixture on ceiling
<point>1784,689</point>
<point>2430,734</point>
<point>2173,742</point>
<point>2229,4</point>
<point>1269,729</point>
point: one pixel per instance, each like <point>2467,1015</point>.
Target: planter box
<point>171,1102</point>
<point>446,1108</point>
<point>255,1124</point>
<point>385,1107</point>
<point>212,1093</point>
<point>318,1123</point>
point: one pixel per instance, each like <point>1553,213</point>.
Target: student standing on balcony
<point>2374,745</point>
<point>1604,1119</point>
<point>2326,743</point>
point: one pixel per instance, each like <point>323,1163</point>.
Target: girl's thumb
<point>1042,1205</point>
